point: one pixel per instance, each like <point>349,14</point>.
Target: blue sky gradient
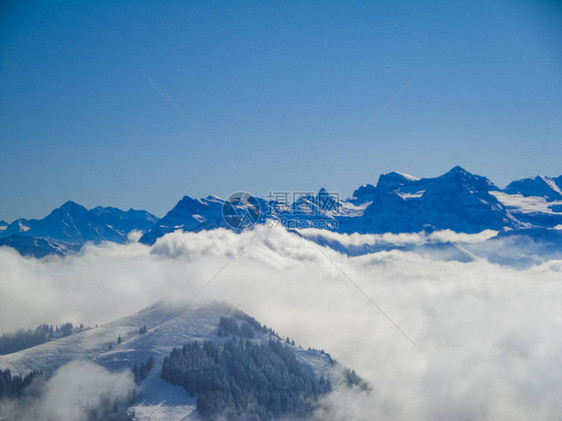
<point>280,86</point>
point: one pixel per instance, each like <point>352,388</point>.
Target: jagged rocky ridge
<point>67,228</point>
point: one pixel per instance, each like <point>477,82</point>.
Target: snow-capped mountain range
<point>457,200</point>
<point>73,223</point>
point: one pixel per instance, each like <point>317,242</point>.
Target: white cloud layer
<point>490,335</point>
<point>400,239</point>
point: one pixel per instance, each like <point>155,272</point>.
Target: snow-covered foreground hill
<point>168,326</point>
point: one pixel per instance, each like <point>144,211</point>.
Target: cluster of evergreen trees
<point>352,379</point>
<point>11,387</point>
<point>142,371</point>
<point>23,339</point>
<point>245,380</point>
<point>229,326</point>
<point>248,329</point>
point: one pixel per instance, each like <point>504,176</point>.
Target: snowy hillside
<point>167,328</point>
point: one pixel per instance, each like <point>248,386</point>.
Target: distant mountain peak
<point>394,180</point>
<point>458,176</point>
<point>73,224</point>
<point>540,186</point>
<point>364,193</point>
<point>407,176</point>
<point>188,200</point>
<point>70,205</point>
<point>213,198</point>
<point>459,172</point>
<point>68,209</point>
<point>458,169</point>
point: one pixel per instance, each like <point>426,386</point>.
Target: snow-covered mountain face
<point>399,203</point>
<point>457,200</point>
<point>38,247</point>
<point>188,215</point>
<point>194,215</point>
<point>73,224</point>
<point>535,202</point>
<point>540,186</point>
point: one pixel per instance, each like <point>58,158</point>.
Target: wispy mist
<point>74,389</point>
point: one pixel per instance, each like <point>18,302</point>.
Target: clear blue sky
<point>280,86</point>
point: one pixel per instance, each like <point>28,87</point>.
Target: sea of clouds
<point>490,335</point>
